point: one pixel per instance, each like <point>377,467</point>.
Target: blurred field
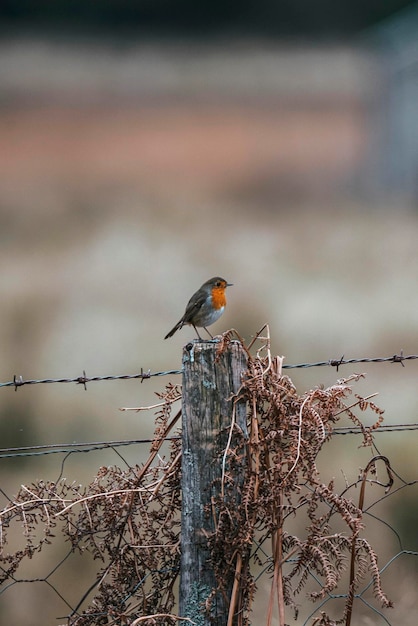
<point>115,209</point>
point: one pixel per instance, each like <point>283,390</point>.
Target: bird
<point>204,307</point>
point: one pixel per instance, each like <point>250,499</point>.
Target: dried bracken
<point>129,520</point>
<point>286,433</point>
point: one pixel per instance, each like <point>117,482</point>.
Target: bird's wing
<point>194,305</point>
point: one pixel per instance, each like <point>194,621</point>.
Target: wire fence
<point>19,381</point>
<point>68,602</point>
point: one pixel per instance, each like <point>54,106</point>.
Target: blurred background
<point>147,146</point>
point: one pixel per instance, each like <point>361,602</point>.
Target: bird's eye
<point>219,284</point>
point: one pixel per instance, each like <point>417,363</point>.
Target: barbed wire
<point>395,358</point>
<point>19,381</point>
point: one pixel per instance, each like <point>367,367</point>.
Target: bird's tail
<point>177,327</point>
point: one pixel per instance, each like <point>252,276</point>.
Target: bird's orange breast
<point>218,297</point>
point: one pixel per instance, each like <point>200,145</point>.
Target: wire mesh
<point>29,527</point>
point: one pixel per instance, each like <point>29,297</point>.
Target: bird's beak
<point>229,284</point>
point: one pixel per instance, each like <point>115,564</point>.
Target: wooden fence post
<point>209,384</point>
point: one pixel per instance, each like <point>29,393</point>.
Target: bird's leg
<point>197,333</point>
<point>211,336</point>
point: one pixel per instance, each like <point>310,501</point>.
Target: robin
<point>204,307</point>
